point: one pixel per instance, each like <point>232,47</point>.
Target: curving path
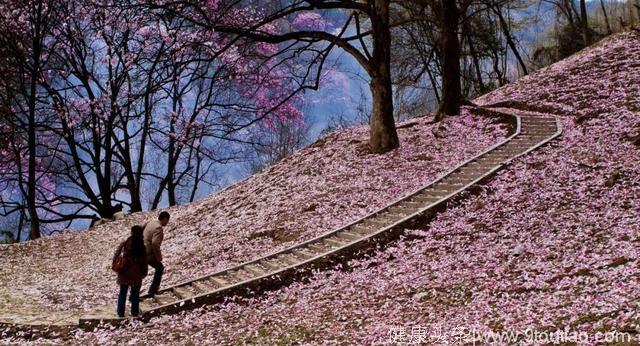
<point>282,267</point>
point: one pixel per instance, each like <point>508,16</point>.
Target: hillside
<point>550,243</point>
<point>319,188</point>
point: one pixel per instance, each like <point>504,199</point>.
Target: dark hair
<point>164,216</point>
<point>137,241</point>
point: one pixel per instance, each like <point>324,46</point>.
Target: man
<point>153,234</point>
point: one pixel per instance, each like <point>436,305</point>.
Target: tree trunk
<point>451,88</point>
<point>382,136</point>
<point>507,34</point>
<point>32,143</point>
<point>20,226</point>
<point>474,56</point>
<point>606,17</point>
<point>586,33</point>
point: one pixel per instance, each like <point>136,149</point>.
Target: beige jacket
<point>153,236</point>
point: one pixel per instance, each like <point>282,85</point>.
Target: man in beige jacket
<point>153,235</point>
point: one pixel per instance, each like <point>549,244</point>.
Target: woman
<point>134,271</point>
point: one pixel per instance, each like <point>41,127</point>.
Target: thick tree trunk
<point>586,33</point>
<point>451,88</point>
<point>382,136</point>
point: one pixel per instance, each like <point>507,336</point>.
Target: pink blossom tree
<point>299,31</point>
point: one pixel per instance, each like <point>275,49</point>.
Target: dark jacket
<point>136,267</point>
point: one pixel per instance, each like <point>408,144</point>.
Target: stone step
<point>334,242</point>
<point>414,205</point>
<point>394,215</point>
<point>479,164</point>
<point>449,186</point>
<point>538,128</point>
<point>165,298</point>
<point>512,147</point>
<point>533,135</point>
<point>147,304</point>
<point>220,280</point>
<point>204,286</point>
<point>486,163</point>
<point>537,125</point>
<point>501,156</point>
<point>465,174</point>
<point>301,253</point>
<point>399,209</point>
<point>425,199</point>
<point>270,265</point>
<point>376,222</point>
<point>436,191</point>
<point>362,229</point>
<point>476,170</point>
<point>532,138</point>
<point>289,259</point>
<point>528,121</point>
<point>183,292</point>
<point>254,270</point>
<point>239,275</point>
<point>318,247</point>
<point>539,122</point>
<point>348,236</point>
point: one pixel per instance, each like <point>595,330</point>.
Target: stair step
<point>333,242</point>
<point>269,265</point>
<point>301,253</point>
<point>414,205</point>
<point>484,165</point>
<point>220,281</point>
<point>319,247</point>
<point>362,229</point>
<point>289,259</point>
<point>534,138</point>
<point>510,149</point>
<point>394,216</point>
<point>203,286</point>
<point>487,163</point>
<point>243,274</point>
<point>399,209</point>
<point>254,270</point>
<point>147,304</point>
<point>348,236</point>
<point>182,292</point>
<point>165,298</point>
<point>449,186</point>
<point>547,121</point>
<point>538,124</point>
<point>465,175</point>
<point>376,223</point>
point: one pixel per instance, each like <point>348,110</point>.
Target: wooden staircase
<point>276,269</point>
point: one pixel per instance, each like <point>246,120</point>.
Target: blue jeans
<point>134,298</point>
